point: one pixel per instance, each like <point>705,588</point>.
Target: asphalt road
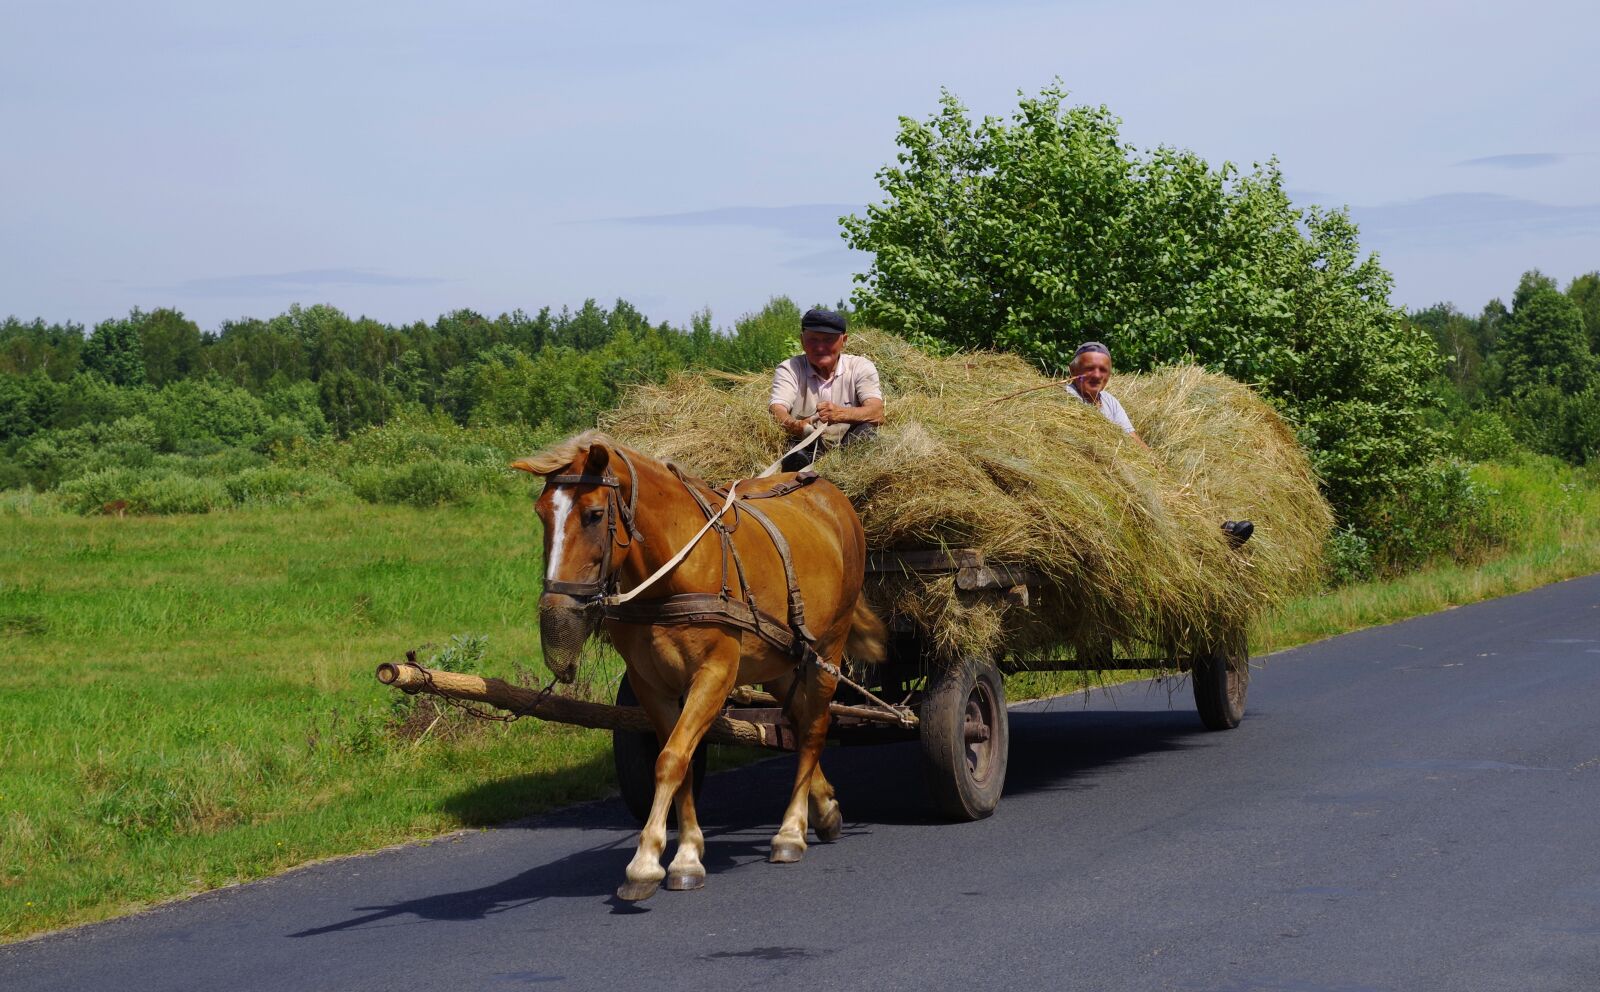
<point>1412,807</point>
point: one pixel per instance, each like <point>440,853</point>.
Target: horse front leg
<point>708,690</point>
<point>808,714</point>
<point>644,871</point>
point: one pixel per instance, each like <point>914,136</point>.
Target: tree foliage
<point>1544,342</point>
<point>1034,233</point>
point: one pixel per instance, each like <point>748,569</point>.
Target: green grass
<point>189,701</point>
<point>1555,511</point>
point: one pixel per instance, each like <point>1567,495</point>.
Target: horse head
<point>588,529</point>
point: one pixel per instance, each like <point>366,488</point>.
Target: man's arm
<point>869,412</point>
<point>789,424</point>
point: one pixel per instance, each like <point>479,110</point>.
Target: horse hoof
<point>637,891</point>
<point>686,881</point>
<point>786,852</point>
<point>829,825</point>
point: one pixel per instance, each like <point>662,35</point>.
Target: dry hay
<point>1127,541</point>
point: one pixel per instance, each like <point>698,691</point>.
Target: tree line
<point>155,380</point>
<point>1523,375</point>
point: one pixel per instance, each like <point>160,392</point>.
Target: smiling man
<point>1091,370</point>
<point>825,386</point>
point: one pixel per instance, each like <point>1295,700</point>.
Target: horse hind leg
<point>826,820</point>
<point>809,714</point>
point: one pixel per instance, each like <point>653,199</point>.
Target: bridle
<point>606,584</point>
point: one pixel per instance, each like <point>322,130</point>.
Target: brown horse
<point>612,517</point>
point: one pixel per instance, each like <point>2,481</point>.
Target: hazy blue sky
<point>403,159</point>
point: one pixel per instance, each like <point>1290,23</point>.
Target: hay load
<point>1127,541</point>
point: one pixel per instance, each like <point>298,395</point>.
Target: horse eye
<point>593,515</point>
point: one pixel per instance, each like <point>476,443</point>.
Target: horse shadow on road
<point>1052,748</point>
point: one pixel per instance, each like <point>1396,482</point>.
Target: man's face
<point>822,350</point>
<point>1095,368</point>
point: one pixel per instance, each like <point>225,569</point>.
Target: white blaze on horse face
<point>561,502</point>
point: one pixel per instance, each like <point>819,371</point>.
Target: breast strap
<point>792,638</point>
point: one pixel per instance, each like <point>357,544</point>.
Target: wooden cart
<point>956,710</point>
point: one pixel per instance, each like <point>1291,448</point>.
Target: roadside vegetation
<point>209,538</point>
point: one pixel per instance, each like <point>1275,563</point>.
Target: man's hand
<point>833,413</point>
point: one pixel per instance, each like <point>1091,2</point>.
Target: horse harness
<point>740,611</point>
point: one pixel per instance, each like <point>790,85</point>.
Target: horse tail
<point>868,638</point>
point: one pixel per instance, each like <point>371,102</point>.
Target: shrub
<point>1482,436</point>
<point>93,491</point>
<point>174,493</point>
<point>280,486</point>
<point>427,483</point>
<point>1551,422</point>
<point>128,490</point>
<point>29,502</point>
<point>1439,513</point>
<point>1348,557</point>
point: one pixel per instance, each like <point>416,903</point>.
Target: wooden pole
<point>547,706</point>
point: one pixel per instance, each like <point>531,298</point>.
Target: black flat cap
<point>826,321</point>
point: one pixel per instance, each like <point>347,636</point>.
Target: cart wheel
<point>965,734</point>
<point>1221,683</point>
<point>634,753</point>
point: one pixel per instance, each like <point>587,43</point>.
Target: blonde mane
<point>558,456</point>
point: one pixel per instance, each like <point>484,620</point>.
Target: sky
<point>401,160</point>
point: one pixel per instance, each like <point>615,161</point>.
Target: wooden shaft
<point>745,696</point>
<point>547,706</point>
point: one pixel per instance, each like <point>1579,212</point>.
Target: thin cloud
<point>805,221</point>
<point>290,282</point>
<point>1456,218</point>
<point>1524,160</point>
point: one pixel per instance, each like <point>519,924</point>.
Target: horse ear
<point>599,458</point>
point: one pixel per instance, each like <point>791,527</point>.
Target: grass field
<point>189,701</point>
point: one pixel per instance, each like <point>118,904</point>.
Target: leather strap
<point>696,607</point>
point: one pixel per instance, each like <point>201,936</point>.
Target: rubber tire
<point>1221,686</point>
<point>634,755</point>
<point>966,780</point>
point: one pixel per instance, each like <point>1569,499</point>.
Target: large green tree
<point>1543,342</point>
<point>170,343</point>
<point>1585,292</point>
<point>1038,232</point>
<point>115,350</point>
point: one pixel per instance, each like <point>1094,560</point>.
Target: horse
<point>612,518</point>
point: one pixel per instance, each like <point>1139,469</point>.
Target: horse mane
<point>561,454</point>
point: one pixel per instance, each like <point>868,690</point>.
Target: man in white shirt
<point>825,386</point>
<point>1091,370</point>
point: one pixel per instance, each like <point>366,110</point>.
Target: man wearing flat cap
<point>825,386</point>
<point>1091,370</point>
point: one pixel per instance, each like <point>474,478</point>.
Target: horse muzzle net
<point>565,624</point>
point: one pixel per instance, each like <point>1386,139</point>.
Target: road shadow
<point>591,873</point>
